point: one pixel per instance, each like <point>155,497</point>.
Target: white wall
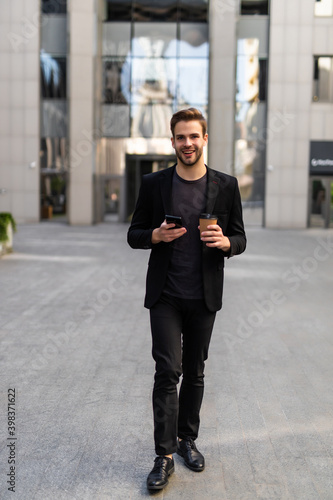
<point>222,29</point>
<point>82,21</point>
<point>293,120</point>
<point>19,108</point>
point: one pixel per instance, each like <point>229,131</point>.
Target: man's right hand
<point>166,233</point>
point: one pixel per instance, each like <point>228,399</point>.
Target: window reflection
<point>262,80</point>
<point>54,6</point>
<point>53,76</point>
<point>116,81</point>
<point>54,119</point>
<point>193,82</point>
<point>153,80</point>
<point>250,121</point>
<point>152,120</point>
<point>118,10</point>
<point>252,7</point>
<point>250,149</point>
<point>193,11</point>
<point>154,68</point>
<point>323,8</point>
<point>116,39</point>
<point>323,79</point>
<point>54,166</point>
<point>247,69</point>
<point>54,154</point>
<point>193,40</point>
<point>154,40</point>
<point>53,194</point>
<point>115,120</point>
<point>159,10</point>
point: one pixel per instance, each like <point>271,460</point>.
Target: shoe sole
<point>189,466</point>
<point>171,471</point>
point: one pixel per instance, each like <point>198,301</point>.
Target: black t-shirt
<point>184,277</point>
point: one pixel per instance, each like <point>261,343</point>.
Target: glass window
<point>250,122</point>
<point>193,11</point>
<point>153,67</point>
<point>193,40</point>
<point>54,6</point>
<point>54,154</point>
<point>116,81</point>
<point>252,7</point>
<point>151,120</point>
<point>53,37</point>
<point>159,10</point>
<point>53,76</point>
<point>323,79</point>
<point>193,82</point>
<point>115,120</point>
<point>262,80</point>
<point>118,10</point>
<point>154,40</point>
<point>116,39</point>
<point>323,8</point>
<point>321,206</point>
<point>53,187</point>
<point>154,80</point>
<point>54,119</point>
<point>247,78</point>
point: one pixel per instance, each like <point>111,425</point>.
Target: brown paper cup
<point>206,220</point>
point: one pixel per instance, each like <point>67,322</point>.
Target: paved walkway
<point>75,346</point>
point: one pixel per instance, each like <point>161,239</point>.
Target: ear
<point>206,139</point>
<point>173,142</point>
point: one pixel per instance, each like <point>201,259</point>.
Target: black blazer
<point>223,200</point>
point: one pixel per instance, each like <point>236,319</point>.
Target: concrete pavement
<point>75,347</point>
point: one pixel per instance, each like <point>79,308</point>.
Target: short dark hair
<point>187,115</point>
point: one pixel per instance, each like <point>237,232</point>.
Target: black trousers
<point>181,332</point>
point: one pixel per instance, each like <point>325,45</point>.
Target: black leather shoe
<point>193,459</point>
<point>158,477</point>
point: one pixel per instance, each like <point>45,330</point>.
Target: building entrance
<point>136,167</point>
<point>321,202</point>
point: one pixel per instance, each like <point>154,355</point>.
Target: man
<point>184,283</point>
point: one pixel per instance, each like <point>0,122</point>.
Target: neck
<point>191,172</point>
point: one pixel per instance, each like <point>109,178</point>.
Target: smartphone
<point>175,220</point>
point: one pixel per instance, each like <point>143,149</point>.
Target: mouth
<point>188,153</point>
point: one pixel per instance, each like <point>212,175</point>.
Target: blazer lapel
<point>213,187</point>
<point>166,188</point>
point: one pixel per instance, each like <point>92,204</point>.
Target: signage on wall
<point>321,158</point>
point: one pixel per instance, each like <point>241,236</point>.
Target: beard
<point>189,160</point>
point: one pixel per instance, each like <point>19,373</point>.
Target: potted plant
<point>7,226</point>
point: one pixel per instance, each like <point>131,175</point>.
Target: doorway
<point>321,202</point>
<point>136,167</point>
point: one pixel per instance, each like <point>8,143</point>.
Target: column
<point>82,20</point>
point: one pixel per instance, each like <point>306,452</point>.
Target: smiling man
<point>184,284</point>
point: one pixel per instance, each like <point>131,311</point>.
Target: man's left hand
<point>214,238</point>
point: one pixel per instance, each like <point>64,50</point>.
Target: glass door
<point>321,202</point>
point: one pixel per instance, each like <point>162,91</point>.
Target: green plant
<point>5,219</point>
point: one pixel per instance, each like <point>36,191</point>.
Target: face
<point>189,142</point>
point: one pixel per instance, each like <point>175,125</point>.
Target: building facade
<point>87,90</point>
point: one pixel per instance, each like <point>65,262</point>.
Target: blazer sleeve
<point>140,231</point>
<point>235,230</point>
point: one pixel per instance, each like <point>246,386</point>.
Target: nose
<point>187,141</point>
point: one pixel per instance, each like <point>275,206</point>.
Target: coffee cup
<point>206,220</point>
